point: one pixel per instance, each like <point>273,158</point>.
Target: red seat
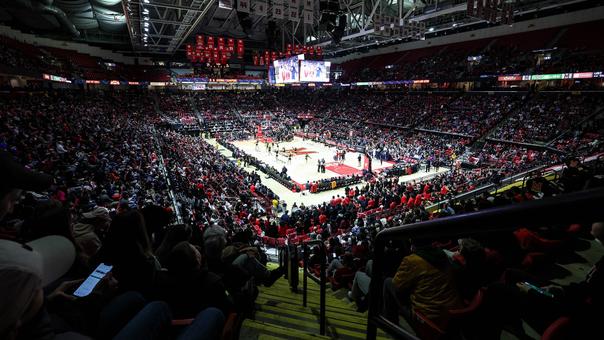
<point>558,330</point>
<point>425,328</point>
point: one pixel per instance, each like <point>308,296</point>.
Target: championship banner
<point>226,4</point>
<point>231,45</point>
<point>309,5</point>
<point>259,8</point>
<point>200,41</point>
<point>308,17</point>
<point>240,48</point>
<point>293,14</point>
<point>278,10</point>
<point>294,3</point>
<point>221,44</point>
<point>243,6</point>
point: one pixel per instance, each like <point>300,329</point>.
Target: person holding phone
<point>522,297</point>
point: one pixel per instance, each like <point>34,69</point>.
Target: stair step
<point>311,301</point>
<point>311,318</point>
<point>277,331</point>
<point>295,310</point>
<point>296,323</point>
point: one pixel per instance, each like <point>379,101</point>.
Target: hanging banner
<point>308,17</point>
<point>259,8</point>
<point>278,9</point>
<point>309,5</point>
<point>200,41</point>
<point>240,48</point>
<point>243,6</point>
<point>293,14</point>
<point>221,44</point>
<point>294,3</point>
<point>210,45</point>
<point>226,4</point>
<point>231,45</point>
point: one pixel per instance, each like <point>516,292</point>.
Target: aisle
<point>280,315</point>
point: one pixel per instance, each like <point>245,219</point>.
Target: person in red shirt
<point>338,200</point>
<point>444,190</point>
<point>371,203</point>
<point>418,200</point>
<point>404,199</point>
<point>410,202</point>
<point>322,218</point>
<point>346,201</point>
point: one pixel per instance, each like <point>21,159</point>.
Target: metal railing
<point>292,259</point>
<point>578,207</point>
<point>322,280</point>
<point>283,254</point>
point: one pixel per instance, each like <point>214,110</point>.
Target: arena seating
<point>151,183</point>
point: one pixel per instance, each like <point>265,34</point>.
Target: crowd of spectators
<point>470,60</point>
<point>110,199</point>
<point>545,116</point>
<point>469,115</point>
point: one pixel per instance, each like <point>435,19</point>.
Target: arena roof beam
<point>168,6</point>
<point>150,21</point>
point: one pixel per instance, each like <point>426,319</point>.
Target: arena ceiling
<point>161,27</point>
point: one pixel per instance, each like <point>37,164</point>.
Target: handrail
<point>586,206</point>
<point>283,254</point>
<point>322,282</point>
<point>292,258</point>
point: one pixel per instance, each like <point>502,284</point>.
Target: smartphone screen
<point>539,290</point>
<point>92,280</point>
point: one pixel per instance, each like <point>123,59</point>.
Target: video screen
<point>287,70</point>
<point>314,71</point>
<point>271,75</point>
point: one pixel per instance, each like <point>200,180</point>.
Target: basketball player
<point>306,157</point>
<point>289,159</point>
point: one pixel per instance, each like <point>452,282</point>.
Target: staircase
<point>280,315</point>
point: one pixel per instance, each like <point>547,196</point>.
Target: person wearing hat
<point>25,269</point>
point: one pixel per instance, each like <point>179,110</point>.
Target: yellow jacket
<point>431,290</point>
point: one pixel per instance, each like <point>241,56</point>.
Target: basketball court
<point>302,170</point>
<point>300,157</point>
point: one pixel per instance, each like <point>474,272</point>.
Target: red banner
<point>231,45</point>
<point>221,44</point>
<point>240,48</point>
